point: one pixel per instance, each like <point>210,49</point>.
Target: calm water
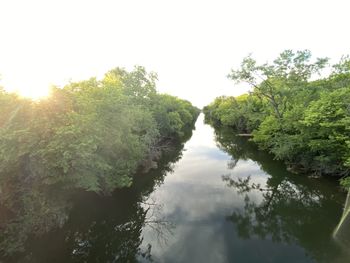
<point>215,199</point>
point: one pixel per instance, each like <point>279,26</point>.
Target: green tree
<point>300,121</point>
<point>274,82</point>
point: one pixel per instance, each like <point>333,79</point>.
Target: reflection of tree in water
<point>155,221</point>
<point>294,209</point>
<point>30,212</point>
<point>106,230</point>
<point>85,227</point>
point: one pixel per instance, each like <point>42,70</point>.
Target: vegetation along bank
<point>91,134</point>
<point>298,117</point>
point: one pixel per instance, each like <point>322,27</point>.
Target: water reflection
<point>292,209</point>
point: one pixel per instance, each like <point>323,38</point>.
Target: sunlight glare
<point>28,87</point>
<point>34,93</point>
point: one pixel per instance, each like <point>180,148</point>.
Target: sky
<point>191,45</point>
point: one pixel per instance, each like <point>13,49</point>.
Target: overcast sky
<point>192,45</point>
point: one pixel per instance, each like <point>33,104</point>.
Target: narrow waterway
<point>229,202</point>
<point>214,199</point>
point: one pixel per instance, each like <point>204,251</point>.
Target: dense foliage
<point>90,134</point>
<point>301,121</point>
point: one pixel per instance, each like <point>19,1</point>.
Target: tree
<point>300,121</point>
<point>275,81</point>
<point>91,134</point>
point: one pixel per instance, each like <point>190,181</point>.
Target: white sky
<point>192,45</point>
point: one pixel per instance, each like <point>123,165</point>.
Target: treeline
<point>92,134</point>
<point>300,119</point>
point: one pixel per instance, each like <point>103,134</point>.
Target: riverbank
<point>216,191</point>
<point>292,112</point>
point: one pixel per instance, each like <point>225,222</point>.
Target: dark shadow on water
<point>294,209</point>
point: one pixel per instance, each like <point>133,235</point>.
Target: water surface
<point>230,202</point>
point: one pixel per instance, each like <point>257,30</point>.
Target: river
<point>216,199</point>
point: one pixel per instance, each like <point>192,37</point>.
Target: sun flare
<point>34,94</point>
<point>27,87</point>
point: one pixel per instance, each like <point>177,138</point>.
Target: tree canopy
<point>91,135</point>
<point>301,119</point>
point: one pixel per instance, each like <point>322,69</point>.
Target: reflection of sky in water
<point>198,201</point>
